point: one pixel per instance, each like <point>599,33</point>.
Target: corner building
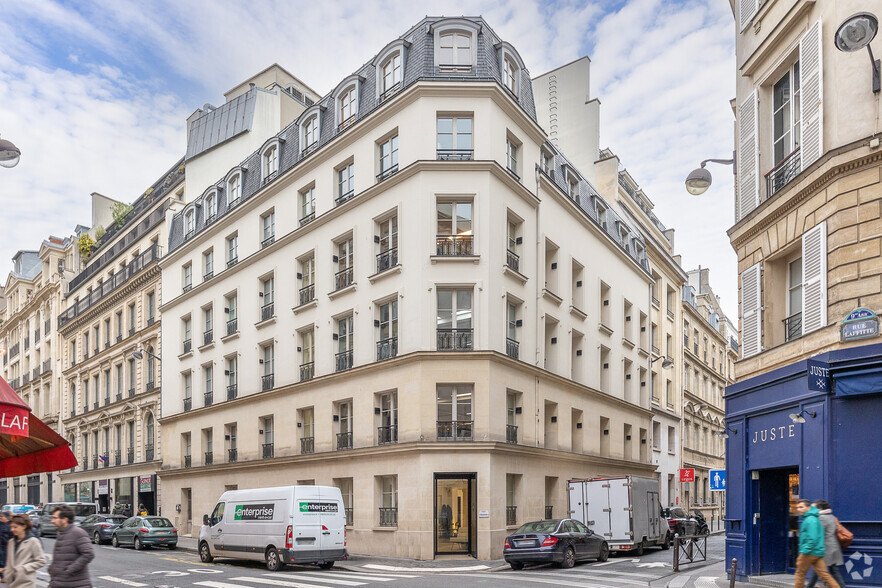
<point>411,295</point>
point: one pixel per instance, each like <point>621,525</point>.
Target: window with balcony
<point>208,445</point>
<point>266,432</point>
<point>387,431</point>
<point>232,442</point>
<point>388,243</point>
<point>232,377</point>
<point>391,75</point>
<point>345,183</point>
<point>454,138</point>
<point>512,151</point>
<point>119,326</point>
<point>267,367</point>
<point>387,345</point>
<point>186,334</point>
<point>310,133</point>
<point>455,419</point>
<point>388,154</point>
<point>132,319</point>
<point>307,205</point>
<point>454,319</point>
<point>514,240</point>
<point>268,229</point>
<point>347,107</point>
<point>151,368</point>
<point>231,301</point>
<point>86,345</point>
<point>187,450</point>
<point>307,354</point>
<point>149,453</point>
<point>132,376</point>
<point>232,250</point>
<point>454,235</point>
<point>234,189</point>
<point>119,381</point>
<point>345,341</point>
<point>786,98</point>
<point>208,385</point>
<point>187,277</point>
<point>188,390</point>
<point>512,346</point>
<point>270,162</point>
<point>306,275</point>
<point>267,299</point>
<point>210,207</point>
<point>306,424</point>
<point>511,417</point>
<point>793,322</point>
<point>208,265</point>
<point>344,275</point>
<point>388,501</point>
<point>344,424</point>
<point>208,322</point>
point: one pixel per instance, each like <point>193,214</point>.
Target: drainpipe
<point>538,309</point>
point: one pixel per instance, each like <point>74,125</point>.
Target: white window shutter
<point>812,90</point>
<point>751,311</point>
<point>748,156</point>
<point>747,9</point>
<point>814,276</point>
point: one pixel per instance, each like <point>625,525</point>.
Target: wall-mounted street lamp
<point>9,154</point>
<point>856,33</point>
<point>667,362</point>
<point>699,179</point>
<point>139,355</point>
<point>725,433</point>
<point>797,417</point>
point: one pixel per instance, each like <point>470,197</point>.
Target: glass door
<point>455,514</point>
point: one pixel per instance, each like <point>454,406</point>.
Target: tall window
<point>151,308</point>
<point>348,107</point>
<point>187,333</point>
<point>454,222</point>
<point>345,339</point>
<point>456,50</point>
<point>131,377</point>
<point>454,138</point>
<point>208,264</point>
<point>208,318</point>
<point>786,113</point>
<point>187,277</point>
<point>211,206</point>
<point>388,256</point>
<point>310,133</point>
<point>232,250</point>
<point>512,328</point>
<point>454,320</point>
<point>345,183</point>
<point>232,323</point>
<point>267,298</point>
<point>270,161</point>
<point>344,275</point>
<point>455,418</point>
<point>307,358</point>
<point>387,346</point>
<point>511,156</point>
<point>268,229</point>
<point>307,279</point>
<point>234,189</point>
<point>208,379</point>
<point>388,417</point>
<point>307,206</point>
<point>188,390</point>
<point>151,368</point>
<point>232,364</point>
<point>189,223</point>
<point>509,74</point>
<point>391,74</point>
<point>388,157</point>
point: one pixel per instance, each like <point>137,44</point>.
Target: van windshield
<point>83,510</point>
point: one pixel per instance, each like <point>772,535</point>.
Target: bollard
<point>676,552</point>
<point>732,573</point>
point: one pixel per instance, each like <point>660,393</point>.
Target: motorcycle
<point>703,529</point>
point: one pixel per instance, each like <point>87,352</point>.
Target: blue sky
<point>96,93</point>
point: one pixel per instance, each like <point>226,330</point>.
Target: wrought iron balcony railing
<point>387,259</point>
<point>387,435</point>
<point>387,348</point>
<point>307,294</point>
<point>793,327</point>
<point>511,515</point>
<point>267,311</point>
<point>780,175</point>
<point>148,452</point>
<point>455,154</point>
<point>232,326</point>
<point>267,382</point>
<point>511,434</point>
<point>344,440</point>
<point>343,278</point>
<point>232,391</point>
<point>512,260</point>
<point>388,517</point>
<point>454,339</point>
<point>208,458</point>
<point>208,398</point>
<point>232,455</point>
<point>307,445</point>
<point>453,245</point>
<point>455,430</point>
<point>267,450</point>
<point>307,371</point>
<point>512,348</point>
<point>343,361</point>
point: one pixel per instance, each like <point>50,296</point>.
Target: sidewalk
<point>715,574</point>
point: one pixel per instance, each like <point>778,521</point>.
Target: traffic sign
<point>717,480</point>
<point>687,475</point>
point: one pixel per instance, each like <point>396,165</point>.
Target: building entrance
<point>775,520</point>
<point>455,514</point>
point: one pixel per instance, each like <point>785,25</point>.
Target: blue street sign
<point>818,374</point>
<point>717,480</point>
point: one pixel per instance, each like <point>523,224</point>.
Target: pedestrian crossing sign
<point>717,479</point>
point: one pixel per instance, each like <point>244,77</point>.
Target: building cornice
<point>37,298</point>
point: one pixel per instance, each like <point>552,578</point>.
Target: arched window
<point>151,368</point>
<point>270,161</point>
<point>310,133</point>
<point>391,74</point>
<point>211,206</point>
<point>348,107</point>
<point>455,44</point>
<point>509,74</point>
<point>234,189</point>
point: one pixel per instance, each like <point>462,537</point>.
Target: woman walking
<point>24,555</point>
<point>832,550</point>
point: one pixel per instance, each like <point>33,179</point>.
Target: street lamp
<point>725,434</point>
<point>667,362</point>
<point>139,355</point>
<point>856,33</point>
<point>797,417</point>
<point>699,179</point>
<point>9,154</point>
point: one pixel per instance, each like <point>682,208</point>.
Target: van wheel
<point>205,553</point>
<point>326,565</point>
<point>273,562</point>
<point>667,542</point>
<point>639,549</point>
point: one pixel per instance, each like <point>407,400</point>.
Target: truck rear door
<point>620,510</point>
<point>598,499</point>
<point>576,501</point>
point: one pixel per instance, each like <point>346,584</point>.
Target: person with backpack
<point>832,548</point>
<point>811,547</point>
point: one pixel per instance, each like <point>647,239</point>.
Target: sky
<point>96,93</point>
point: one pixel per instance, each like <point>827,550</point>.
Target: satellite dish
<point>856,32</point>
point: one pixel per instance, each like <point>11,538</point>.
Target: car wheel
<point>115,540</point>
<point>516,566</point>
<point>205,553</point>
<point>326,565</point>
<point>96,538</point>
<point>569,559</point>
<point>604,552</point>
<point>667,541</point>
<point>273,563</point>
<point>137,544</point>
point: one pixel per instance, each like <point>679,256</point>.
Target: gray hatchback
<point>140,532</point>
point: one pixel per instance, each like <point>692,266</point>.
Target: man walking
<point>811,547</point>
<point>832,549</point>
<point>72,553</point>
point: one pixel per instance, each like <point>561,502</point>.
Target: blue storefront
<point>812,429</point>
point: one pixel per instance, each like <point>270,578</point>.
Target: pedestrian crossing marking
<point>272,582</point>
<point>313,576</point>
<point>533,579</point>
<point>401,569</point>
<point>121,581</point>
<point>576,575</point>
<point>372,576</point>
<point>212,584</point>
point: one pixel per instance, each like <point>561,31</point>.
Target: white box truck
<point>624,510</point>
<point>283,525</point>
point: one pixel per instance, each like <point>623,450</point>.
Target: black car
<point>561,541</point>
<point>100,526</point>
<point>680,522</point>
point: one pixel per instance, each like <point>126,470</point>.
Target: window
<point>267,310</point>
<point>208,264</point>
<point>232,378</point>
<point>388,431</point>
<point>345,339</point>
<point>232,250</point>
<point>268,229</point>
<point>348,107</point>
<point>388,158</point>
<point>230,310</point>
<point>187,277</point>
<point>511,335</point>
<point>189,223</point>
<point>388,256</point>
<point>119,381</point>
<point>310,133</point>
<point>573,183</point>
<point>454,320</point>
<point>211,206</point>
<point>266,426</point>
<point>234,190</point>
<point>119,326</point>
<point>208,318</point>
<point>267,355</point>
<point>232,442</point>
<point>188,391</point>
<point>454,222</point>
<point>344,425</point>
<point>307,357</point>
<point>307,435</point>
<point>656,435</point>
<point>270,162</point>
<point>786,115</point>
<point>186,334</point>
<point>307,205</point>
<point>151,368</point>
<point>208,384</point>
<point>454,402</point>
<point>387,346</point>
<point>511,156</point>
<point>509,74</point>
<point>454,138</point>
<point>132,377</point>
<point>455,51</point>
<point>307,279</point>
<point>345,183</point>
<point>344,274</point>
<point>389,501</point>
<point>391,75</point>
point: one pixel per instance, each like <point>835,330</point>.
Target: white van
<point>288,524</point>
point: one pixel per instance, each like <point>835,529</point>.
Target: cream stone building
<point>31,362</point>
<point>411,294</point>
<point>110,397</point>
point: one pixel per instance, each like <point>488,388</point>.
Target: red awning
<point>27,445</point>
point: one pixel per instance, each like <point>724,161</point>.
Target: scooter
<point>703,529</point>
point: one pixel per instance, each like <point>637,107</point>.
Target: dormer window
<point>189,223</point>
<point>509,74</point>
<point>210,206</point>
<point>234,189</point>
<point>348,107</point>
<point>455,51</point>
<point>269,160</point>
<point>391,75</point>
<point>545,159</point>
<point>511,66</point>
<point>389,66</point>
<point>310,134</point>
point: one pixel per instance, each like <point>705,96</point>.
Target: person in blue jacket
<point>811,547</point>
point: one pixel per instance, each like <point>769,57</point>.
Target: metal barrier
<point>689,548</point>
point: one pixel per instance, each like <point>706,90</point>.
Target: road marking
<point>320,577</point>
<point>122,581</point>
<point>285,583</point>
<point>606,563</point>
<point>679,582</point>
<point>580,576</point>
<point>372,576</point>
<point>401,569</point>
<point>533,578</point>
<point>212,584</point>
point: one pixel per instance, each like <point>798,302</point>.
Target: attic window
<point>455,41</point>
<point>310,133</point>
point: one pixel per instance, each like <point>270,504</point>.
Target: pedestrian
<point>142,510</point>
<point>127,511</point>
<point>4,536</point>
<point>24,555</point>
<point>832,549</point>
<point>811,547</point>
<point>72,553</point>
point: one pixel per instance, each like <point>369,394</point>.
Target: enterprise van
<point>284,525</point>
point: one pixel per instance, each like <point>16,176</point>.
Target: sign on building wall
<point>818,374</point>
<point>145,483</point>
<point>717,480</point>
<point>687,475</point>
<point>861,323</point>
<point>103,487</point>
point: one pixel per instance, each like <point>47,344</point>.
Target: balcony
<point>106,400</point>
<point>549,512</point>
<point>511,434</point>
<point>35,373</point>
<point>94,462</point>
<point>117,457</point>
<point>733,344</point>
<point>344,441</point>
<point>232,391</point>
<point>132,331</point>
<point>208,399</point>
<point>656,350</point>
<point>655,301</point>
<point>232,261</point>
<point>388,517</point>
<point>26,379</point>
<point>387,348</point>
<point>307,445</point>
<point>511,515</point>
<point>118,280</point>
<point>36,334</point>
<point>391,91</point>
<point>386,173</point>
<point>150,385</point>
<point>266,382</point>
<point>268,241</point>
<point>793,327</point>
<point>46,326</point>
<point>307,219</point>
<point>95,405</point>
<point>15,384</point>
<point>151,320</point>
<point>119,396</point>
<point>781,174</point>
<point>512,348</point>
<point>85,463</point>
<point>343,278</point>
<point>387,259</point>
<point>307,294</point>
<point>670,314</point>
<point>344,197</point>
<point>187,287</point>
<point>188,404</point>
<point>188,346</point>
<point>208,337</point>
<point>188,461</point>
<point>207,276</point>
<point>267,311</point>
<point>232,455</point>
<point>307,371</point>
<point>455,154</point>
<point>148,452</point>
<point>343,361</point>
<point>267,450</point>
<point>208,458</point>
<point>130,456</point>
<point>512,260</point>
<point>14,350</point>
<point>453,245</point>
<point>27,343</point>
<point>454,339</point>
<point>455,430</point>
<point>387,435</point>
<point>232,326</point>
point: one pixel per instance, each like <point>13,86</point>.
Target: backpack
<point>843,535</point>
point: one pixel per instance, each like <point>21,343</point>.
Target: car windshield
<point>678,513</point>
<point>538,527</point>
<point>157,522</point>
<point>83,510</point>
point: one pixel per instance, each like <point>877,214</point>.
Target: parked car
<point>681,522</point>
<point>561,541</point>
<point>141,532</point>
<point>100,526</point>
